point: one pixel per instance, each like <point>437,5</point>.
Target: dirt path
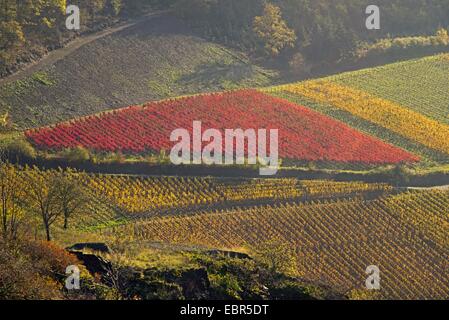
<point>54,56</point>
<point>446,187</point>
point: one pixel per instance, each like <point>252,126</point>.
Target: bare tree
<point>11,200</point>
<point>43,195</point>
<point>71,196</point>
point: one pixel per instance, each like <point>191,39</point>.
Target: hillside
<point>333,241</point>
<point>203,151</point>
<point>304,134</point>
<point>154,59</point>
<point>333,230</point>
<point>399,113</point>
<point>402,103</point>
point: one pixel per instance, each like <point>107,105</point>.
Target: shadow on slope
<point>155,59</point>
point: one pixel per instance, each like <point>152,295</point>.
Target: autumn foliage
<point>408,123</point>
<point>303,134</point>
<point>32,270</point>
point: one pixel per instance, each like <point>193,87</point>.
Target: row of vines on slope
<point>334,241</point>
<point>303,134</point>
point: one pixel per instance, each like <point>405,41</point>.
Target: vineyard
<point>405,235</point>
<point>303,133</point>
<point>116,199</point>
<point>143,195</point>
<point>408,123</point>
<point>389,120</point>
<point>420,85</point>
<point>404,104</point>
<point>336,231</point>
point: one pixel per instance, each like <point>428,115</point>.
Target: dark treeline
<point>28,29</point>
<point>326,30</point>
<point>293,31</point>
<point>396,176</point>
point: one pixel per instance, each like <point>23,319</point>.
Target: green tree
<point>273,31</point>
<point>400,175</point>
<point>42,14</point>
<point>77,154</point>
<point>19,148</point>
<point>116,6</point>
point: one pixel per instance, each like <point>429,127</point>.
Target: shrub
<point>290,290</point>
<point>157,289</point>
<point>226,286</point>
<point>5,122</point>
<point>77,154</point>
<point>12,34</point>
<point>21,279</point>
<point>50,259</point>
<point>118,157</point>
<point>19,148</point>
<point>443,36</point>
<point>440,39</point>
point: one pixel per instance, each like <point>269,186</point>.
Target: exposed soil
<point>54,56</point>
<point>150,59</point>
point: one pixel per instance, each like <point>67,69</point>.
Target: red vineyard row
<point>303,134</point>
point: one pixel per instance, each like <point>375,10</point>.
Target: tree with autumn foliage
<point>273,31</point>
<point>278,256</point>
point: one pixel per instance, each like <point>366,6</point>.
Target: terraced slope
<point>154,59</point>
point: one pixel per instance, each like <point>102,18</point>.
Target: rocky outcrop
<point>93,263</point>
<point>92,246</point>
<point>229,254</point>
<point>194,283</point>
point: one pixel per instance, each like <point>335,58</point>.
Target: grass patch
<point>43,78</point>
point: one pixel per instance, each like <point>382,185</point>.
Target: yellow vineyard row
<point>335,241</point>
<point>394,117</point>
<point>142,194</point>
